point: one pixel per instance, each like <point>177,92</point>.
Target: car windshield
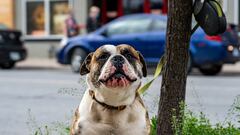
<point>159,25</point>
<point>128,26</point>
<point>3,27</point>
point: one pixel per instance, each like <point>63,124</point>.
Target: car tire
<point>212,70</point>
<point>77,58</point>
<point>7,65</point>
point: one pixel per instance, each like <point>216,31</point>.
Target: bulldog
<point>111,105</point>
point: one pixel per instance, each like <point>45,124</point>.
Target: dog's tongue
<point>117,82</point>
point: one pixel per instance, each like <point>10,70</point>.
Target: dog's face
<point>114,67</point>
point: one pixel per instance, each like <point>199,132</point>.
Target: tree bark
<point>173,87</point>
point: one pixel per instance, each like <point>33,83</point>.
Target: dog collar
<point>119,108</point>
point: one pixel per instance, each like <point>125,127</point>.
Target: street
<point>52,94</point>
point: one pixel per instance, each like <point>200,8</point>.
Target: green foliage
<point>59,128</point>
<point>154,125</point>
<point>193,124</point>
<point>200,125</point>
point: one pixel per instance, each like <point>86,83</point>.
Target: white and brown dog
<point>111,105</point>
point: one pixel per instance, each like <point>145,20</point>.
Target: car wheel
<point>212,70</point>
<point>77,58</point>
<point>190,63</point>
<point>7,65</point>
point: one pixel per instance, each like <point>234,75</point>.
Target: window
<point>45,17</point>
<point>129,26</point>
<point>35,18</point>
<point>156,6</point>
<point>133,6</point>
<point>7,12</point>
<point>159,25</point>
<point>59,12</point>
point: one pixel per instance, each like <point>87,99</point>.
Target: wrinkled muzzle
<point>117,73</point>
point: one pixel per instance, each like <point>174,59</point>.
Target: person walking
<point>93,19</point>
<point>71,27</point>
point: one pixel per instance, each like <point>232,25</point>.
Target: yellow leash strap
<point>156,74</point>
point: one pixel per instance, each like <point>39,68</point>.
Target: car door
<point>155,39</point>
<point>126,31</point>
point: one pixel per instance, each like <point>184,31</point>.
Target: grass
<point>199,124</point>
<point>193,124</point>
<point>55,128</point>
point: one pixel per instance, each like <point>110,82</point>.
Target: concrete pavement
<point>52,92</point>
<point>52,63</point>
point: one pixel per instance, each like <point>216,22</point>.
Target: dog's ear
<point>85,67</point>
<point>144,68</point>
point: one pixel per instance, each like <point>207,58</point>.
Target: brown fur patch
<point>131,118</point>
<point>138,57</point>
<point>122,47</point>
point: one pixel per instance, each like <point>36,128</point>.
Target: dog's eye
<point>129,56</point>
<point>103,56</point>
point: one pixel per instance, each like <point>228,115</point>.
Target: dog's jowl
<point>111,104</point>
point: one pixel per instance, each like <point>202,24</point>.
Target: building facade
<point>232,10</point>
<point>42,21</point>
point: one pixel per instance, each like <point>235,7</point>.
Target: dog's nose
<point>117,61</point>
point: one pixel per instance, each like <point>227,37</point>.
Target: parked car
<point>11,47</point>
<point>230,39</point>
<point>147,33</point>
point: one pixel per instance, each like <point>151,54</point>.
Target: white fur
<point>116,96</point>
<point>137,127</point>
<point>110,48</point>
<point>119,120</point>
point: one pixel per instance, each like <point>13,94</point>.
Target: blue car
<point>147,33</point>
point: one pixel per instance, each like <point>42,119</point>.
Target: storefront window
<point>156,6</point>
<point>35,18</point>
<point>111,10</point>
<point>133,6</point>
<point>58,14</point>
<point>45,17</point>
<point>7,13</point>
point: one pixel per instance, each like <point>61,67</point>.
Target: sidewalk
<point>232,67</point>
<point>40,63</point>
<point>44,63</point>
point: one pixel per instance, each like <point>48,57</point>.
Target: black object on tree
<point>173,87</point>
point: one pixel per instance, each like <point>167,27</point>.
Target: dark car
<point>147,33</point>
<point>11,47</point>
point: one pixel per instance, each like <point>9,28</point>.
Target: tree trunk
<point>175,72</point>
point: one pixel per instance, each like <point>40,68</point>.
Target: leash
<point>156,74</point>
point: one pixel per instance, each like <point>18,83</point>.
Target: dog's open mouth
<point>118,79</point>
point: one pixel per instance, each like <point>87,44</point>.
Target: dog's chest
<point>102,121</point>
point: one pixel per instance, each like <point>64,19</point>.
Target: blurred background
<point>38,41</point>
<point>42,21</point>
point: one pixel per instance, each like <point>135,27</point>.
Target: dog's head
<point>114,67</point>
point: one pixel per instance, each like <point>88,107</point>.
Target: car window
<point>128,26</point>
<point>159,25</point>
